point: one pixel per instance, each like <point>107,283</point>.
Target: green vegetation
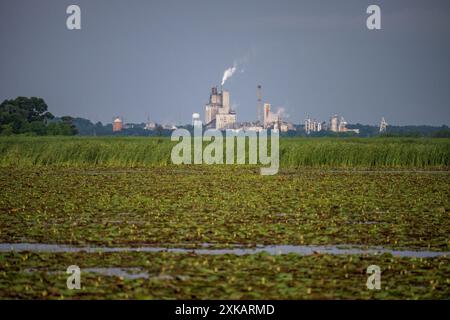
<point>189,276</point>
<point>365,152</point>
<point>29,116</point>
<point>294,152</point>
<point>123,192</point>
<point>221,205</point>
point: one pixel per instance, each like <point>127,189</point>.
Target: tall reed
<point>294,152</point>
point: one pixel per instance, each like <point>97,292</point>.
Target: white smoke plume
<point>281,112</point>
<point>228,73</point>
<point>238,66</point>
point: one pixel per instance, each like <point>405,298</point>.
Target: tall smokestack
<point>259,106</point>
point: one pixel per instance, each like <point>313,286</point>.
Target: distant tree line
<point>30,116</point>
<point>402,131</point>
<point>86,128</point>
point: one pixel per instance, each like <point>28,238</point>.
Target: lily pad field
<point>139,227</point>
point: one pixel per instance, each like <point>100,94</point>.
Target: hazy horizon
<point>158,60</point>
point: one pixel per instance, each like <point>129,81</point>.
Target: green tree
<point>69,128</point>
<point>30,116</point>
<point>19,113</point>
<point>38,128</point>
<point>6,129</point>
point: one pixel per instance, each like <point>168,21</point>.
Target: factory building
<point>150,125</point>
<point>218,114</point>
<point>334,123</point>
<point>340,125</point>
<point>270,118</point>
<point>313,126</point>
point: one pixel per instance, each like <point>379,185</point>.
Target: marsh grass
<point>294,152</point>
<point>372,152</point>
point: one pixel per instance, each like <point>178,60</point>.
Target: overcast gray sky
<point>159,59</point>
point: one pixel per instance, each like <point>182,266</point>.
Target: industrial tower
<point>259,106</point>
<point>383,125</point>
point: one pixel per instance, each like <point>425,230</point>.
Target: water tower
<point>196,119</point>
<point>117,124</point>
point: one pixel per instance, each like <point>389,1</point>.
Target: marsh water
<point>207,249</point>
